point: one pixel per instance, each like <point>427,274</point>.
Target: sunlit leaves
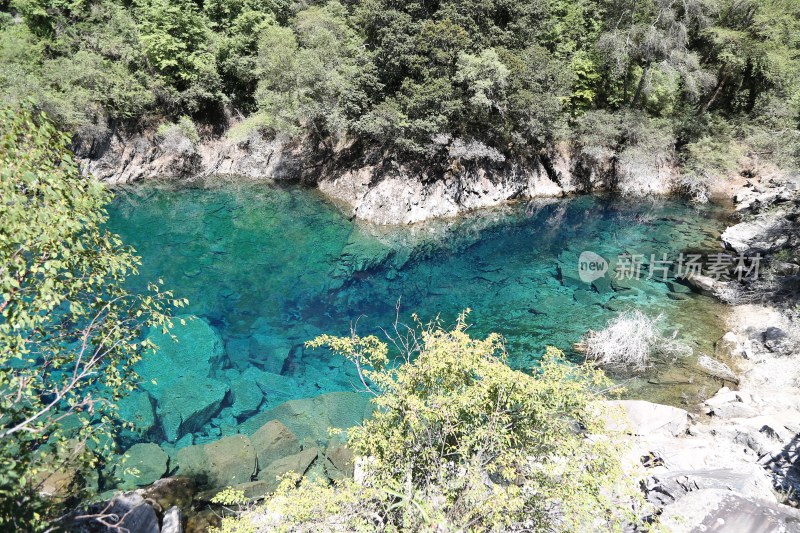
<point>69,330</point>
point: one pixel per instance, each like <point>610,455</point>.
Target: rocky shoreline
<point>735,467</point>
<point>372,189</point>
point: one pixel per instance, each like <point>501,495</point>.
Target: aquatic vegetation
<point>631,341</point>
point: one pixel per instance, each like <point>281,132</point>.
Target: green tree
<point>461,442</point>
<point>313,75</point>
<point>69,330</point>
<point>754,48</point>
<point>177,40</point>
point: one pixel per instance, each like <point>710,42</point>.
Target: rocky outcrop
<point>383,192</point>
<point>129,159</point>
<point>720,470</point>
<point>399,196</point>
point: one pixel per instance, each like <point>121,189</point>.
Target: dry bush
<point>631,341</point>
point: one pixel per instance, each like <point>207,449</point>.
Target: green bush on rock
<point>460,441</point>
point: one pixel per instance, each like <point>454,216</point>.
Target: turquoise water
<point>260,261</point>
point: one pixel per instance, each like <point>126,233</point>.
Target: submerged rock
<point>141,465</point>
<point>312,417</point>
<point>177,376</point>
<point>246,397</point>
<point>702,284</point>
<point>272,441</point>
<point>188,405</point>
<point>270,352</point>
<point>137,409</point>
<point>197,351</point>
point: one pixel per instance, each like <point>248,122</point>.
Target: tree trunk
<point>640,87</point>
<point>625,84</point>
<point>723,79</point>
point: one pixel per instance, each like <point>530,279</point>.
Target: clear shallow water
<point>281,262</point>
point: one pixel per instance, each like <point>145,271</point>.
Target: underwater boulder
<point>188,404</point>
<point>246,396</point>
<point>137,409</point>
<point>310,418</point>
<point>269,351</point>
<point>198,350</point>
<point>274,441</point>
<point>141,465</point>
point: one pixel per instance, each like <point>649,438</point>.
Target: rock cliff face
<point>137,158</point>
<point>384,193</point>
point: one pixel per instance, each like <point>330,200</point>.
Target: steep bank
<point>735,466</point>
<point>377,190</point>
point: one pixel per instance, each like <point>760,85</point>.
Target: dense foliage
<point>468,79</point>
<point>69,331</point>
<point>461,442</point>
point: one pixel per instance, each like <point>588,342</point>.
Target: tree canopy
<point>409,77</point>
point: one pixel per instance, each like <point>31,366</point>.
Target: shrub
<point>630,341</point>
<point>184,128</point>
<point>460,441</point>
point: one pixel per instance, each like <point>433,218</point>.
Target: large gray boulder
<point>137,409</point>
<point>298,463</point>
<point>228,461</point>
<point>231,460</point>
<point>723,511</point>
<point>639,417</point>
<point>763,235</point>
<point>665,488</point>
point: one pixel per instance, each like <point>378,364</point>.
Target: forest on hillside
<point>420,80</point>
